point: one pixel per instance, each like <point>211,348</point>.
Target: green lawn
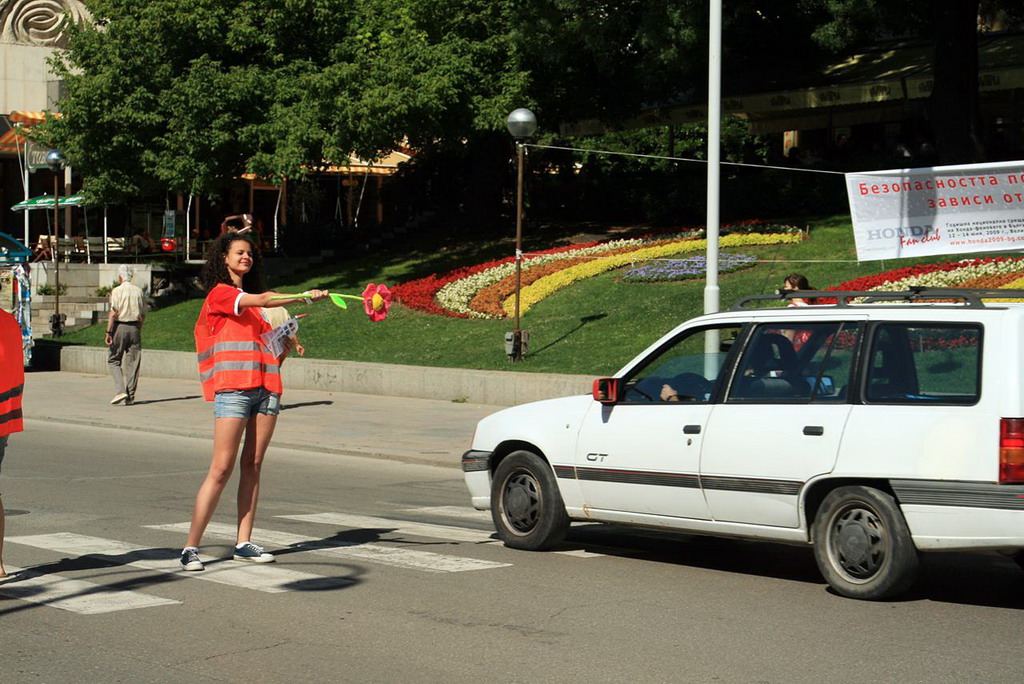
<point>593,327</point>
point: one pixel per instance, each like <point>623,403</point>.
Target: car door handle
<point>691,429</point>
<point>814,430</point>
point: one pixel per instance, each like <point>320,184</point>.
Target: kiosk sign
<point>35,156</point>
<point>939,210</point>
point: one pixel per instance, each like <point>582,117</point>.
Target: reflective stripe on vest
<point>12,374</point>
<point>10,411</point>
<point>234,358</point>
<point>222,366</point>
<point>229,346</point>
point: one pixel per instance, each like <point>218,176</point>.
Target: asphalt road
<point>386,575</point>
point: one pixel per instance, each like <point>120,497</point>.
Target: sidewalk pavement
<point>426,431</point>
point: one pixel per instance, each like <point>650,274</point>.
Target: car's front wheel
<point>862,544</point>
<point>526,505</point>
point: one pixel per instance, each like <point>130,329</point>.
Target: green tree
<point>185,94</point>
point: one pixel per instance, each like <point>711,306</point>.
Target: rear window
<point>924,363</point>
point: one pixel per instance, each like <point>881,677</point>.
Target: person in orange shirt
<point>243,379</point>
<point>12,381</point>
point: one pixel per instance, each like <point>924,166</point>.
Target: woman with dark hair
<point>797,281</point>
<point>242,378</point>
<point>794,283</point>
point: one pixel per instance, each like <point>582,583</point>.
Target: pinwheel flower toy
<point>376,300</point>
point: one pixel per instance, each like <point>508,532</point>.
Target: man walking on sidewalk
<point>124,336</point>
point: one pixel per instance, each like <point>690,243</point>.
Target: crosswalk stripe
<point>270,579</point>
<point>448,532</point>
<point>464,512</point>
<point>377,553</point>
<point>76,596</point>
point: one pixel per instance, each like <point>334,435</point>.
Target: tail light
<point>1011,450</point>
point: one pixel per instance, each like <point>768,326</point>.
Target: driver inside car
<point>686,387</point>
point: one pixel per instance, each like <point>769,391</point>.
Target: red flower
<point>376,301</point>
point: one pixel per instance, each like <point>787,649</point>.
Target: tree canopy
<point>180,95</point>
<point>183,94</point>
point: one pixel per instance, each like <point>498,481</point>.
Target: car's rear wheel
<point>526,505</point>
<point>862,544</point>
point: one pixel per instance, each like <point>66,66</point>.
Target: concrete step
<point>80,312</point>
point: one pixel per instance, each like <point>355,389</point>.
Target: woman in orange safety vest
<point>12,380</point>
<point>242,377</point>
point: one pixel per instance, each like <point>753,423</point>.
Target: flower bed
<point>548,285</point>
<point>488,301</point>
<point>1001,272</point>
<point>685,269</point>
<point>457,296</point>
<point>484,290</point>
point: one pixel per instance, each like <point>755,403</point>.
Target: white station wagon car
<point>874,428</point>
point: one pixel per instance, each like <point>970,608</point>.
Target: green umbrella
<point>46,202</point>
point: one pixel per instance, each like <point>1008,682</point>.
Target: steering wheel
<point>634,387</point>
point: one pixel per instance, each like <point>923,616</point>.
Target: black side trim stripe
<point>642,477</point>
<point>749,484</point>
<point>687,480</point>
<point>565,472</point>
<point>963,494</point>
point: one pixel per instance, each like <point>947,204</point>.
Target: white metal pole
<point>277,210</point>
<point>67,208</point>
<point>26,198</point>
<point>711,291</point>
<point>85,221</point>
<point>106,256</point>
<point>188,229</point>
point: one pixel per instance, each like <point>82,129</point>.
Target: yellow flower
<point>533,293</point>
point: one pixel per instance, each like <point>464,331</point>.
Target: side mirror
<point>606,390</point>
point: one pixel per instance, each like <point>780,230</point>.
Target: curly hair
<point>215,270</point>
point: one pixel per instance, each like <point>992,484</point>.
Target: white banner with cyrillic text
<point>937,210</point>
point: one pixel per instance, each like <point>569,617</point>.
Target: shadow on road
<point>286,407</point>
<point>104,582</point>
<point>139,402</point>
<point>965,579</point>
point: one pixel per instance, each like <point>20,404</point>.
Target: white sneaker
<point>190,559</point>
<point>252,553</point>
<point>118,398</point>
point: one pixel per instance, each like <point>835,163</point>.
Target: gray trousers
<point>125,358</point>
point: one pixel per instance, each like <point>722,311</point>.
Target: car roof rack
<point>969,297</point>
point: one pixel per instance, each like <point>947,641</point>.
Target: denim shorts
<point>246,403</point>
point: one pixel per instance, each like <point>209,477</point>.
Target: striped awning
<point>17,122</point>
<point>46,202</point>
<point>386,166</point>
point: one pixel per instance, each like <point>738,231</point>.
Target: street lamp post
<point>521,124</point>
<point>55,160</point>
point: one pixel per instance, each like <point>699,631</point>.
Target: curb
<point>499,388</point>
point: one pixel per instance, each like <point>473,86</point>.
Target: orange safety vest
<point>234,357</point>
<point>12,375</point>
